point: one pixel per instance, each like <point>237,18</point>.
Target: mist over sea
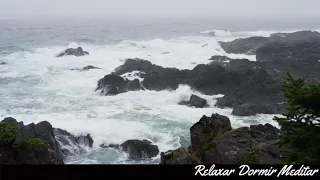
<point>36,86</point>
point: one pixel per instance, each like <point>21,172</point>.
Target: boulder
<point>195,101</point>
<point>138,149</point>
<point>74,52</point>
<point>208,126</point>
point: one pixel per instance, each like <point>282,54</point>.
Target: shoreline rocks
<point>37,143</point>
<point>214,142</point>
<point>250,45</point>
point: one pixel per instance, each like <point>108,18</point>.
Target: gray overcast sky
<point>166,8</point>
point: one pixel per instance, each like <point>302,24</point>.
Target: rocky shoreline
<point>249,87</point>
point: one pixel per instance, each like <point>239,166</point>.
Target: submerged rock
<point>75,52</point>
<point>89,67</point>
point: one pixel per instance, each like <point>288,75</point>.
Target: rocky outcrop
<point>214,142</point>
<point>249,87</point>
<point>252,44</point>
<point>73,52</point>
<point>286,51</point>
<point>195,101</point>
<point>32,144</point>
<point>155,77</point>
<point>37,143</point>
<point>244,45</point>
<point>114,84</point>
<point>295,36</point>
<point>137,149</point>
<point>3,63</point>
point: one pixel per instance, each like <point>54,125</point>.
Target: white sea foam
<point>36,86</point>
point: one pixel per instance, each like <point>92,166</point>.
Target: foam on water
<point>36,86</point>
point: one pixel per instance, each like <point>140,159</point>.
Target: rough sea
<point>35,86</point>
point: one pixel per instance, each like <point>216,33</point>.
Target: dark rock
<point>253,109</point>
<point>244,45</point>
<point>252,44</point>
<point>165,53</point>
<point>254,94</point>
<point>113,146</point>
<point>178,156</point>
<point>75,52</point>
<point>113,84</point>
<point>140,149</point>
<point>9,120</point>
<point>42,131</point>
<point>212,79</point>
<point>220,58</point>
<point>295,36</point>
<point>285,51</point>
<point>89,67</point>
<point>41,144</point>
<point>195,101</point>
<point>3,63</point>
<point>37,155</point>
<point>229,146</point>
<point>21,151</point>
<point>208,126</point>
<point>155,77</point>
<point>204,45</point>
<point>233,147</point>
<point>70,144</point>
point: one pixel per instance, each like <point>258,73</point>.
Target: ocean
<point>36,86</point>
